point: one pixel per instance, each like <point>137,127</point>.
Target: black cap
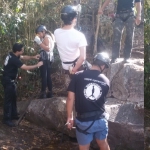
<point>40,29</point>
<point>68,13</point>
<point>103,57</point>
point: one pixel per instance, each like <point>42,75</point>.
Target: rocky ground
<point>27,136</point>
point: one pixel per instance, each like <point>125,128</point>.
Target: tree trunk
<point>97,29</point>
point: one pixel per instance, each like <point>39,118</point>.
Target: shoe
<point>49,95</point>
<point>126,60</point>
<point>9,123</point>
<point>15,117</point>
<point>113,61</point>
<point>42,95</point>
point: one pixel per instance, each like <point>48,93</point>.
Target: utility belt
<point>124,15</point>
<point>71,62</point>
<point>89,116</point>
<point>85,66</point>
<point>124,11</point>
<point>46,57</point>
<point>8,80</point>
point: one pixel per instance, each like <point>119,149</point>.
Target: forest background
<point>19,18</point>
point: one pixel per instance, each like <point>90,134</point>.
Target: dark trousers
<point>45,72</point>
<point>10,97</point>
<point>122,20</point>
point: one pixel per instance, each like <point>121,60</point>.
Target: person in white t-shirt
<point>71,43</point>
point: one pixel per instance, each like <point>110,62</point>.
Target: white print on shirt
<point>6,60</point>
<point>92,80</point>
<point>92,91</point>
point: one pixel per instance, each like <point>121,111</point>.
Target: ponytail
<point>51,34</point>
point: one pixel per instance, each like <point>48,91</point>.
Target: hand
<point>73,71</point>
<point>37,40</point>
<point>70,69</point>
<point>40,64</point>
<point>138,20</point>
<point>70,123</point>
<point>100,11</point>
<point>37,57</point>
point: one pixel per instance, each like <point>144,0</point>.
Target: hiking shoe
<point>15,117</point>
<point>113,61</point>
<point>126,60</point>
<point>9,123</point>
<point>49,95</point>
<point>42,95</point>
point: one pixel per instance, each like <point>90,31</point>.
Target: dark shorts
<point>99,130</point>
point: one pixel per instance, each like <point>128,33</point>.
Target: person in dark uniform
<point>10,71</point>
<point>89,89</point>
<point>125,17</point>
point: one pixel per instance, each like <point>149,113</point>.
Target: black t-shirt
<point>11,65</point>
<point>90,88</point>
<point>124,5</point>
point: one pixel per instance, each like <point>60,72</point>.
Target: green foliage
<point>147,54</point>
<point>18,21</point>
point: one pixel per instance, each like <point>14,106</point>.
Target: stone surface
<point>125,105</point>
<point>127,80</point>
<point>50,113</point>
<point>125,122</point>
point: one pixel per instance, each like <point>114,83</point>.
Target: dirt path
<point>30,137</point>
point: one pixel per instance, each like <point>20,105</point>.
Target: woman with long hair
<point>45,39</point>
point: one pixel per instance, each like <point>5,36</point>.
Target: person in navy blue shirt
<point>88,89</point>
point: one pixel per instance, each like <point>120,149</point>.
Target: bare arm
<point>103,6</point>
<point>80,60</point>
<point>138,15</point>
<point>25,57</point>
<point>69,105</point>
<point>138,8</point>
<point>25,67</point>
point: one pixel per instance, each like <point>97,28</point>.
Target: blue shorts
<point>99,130</point>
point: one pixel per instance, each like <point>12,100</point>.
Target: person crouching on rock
<point>45,40</point>
<point>10,71</point>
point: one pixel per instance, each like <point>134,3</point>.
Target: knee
<point>103,144</point>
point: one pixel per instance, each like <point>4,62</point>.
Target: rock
<point>127,80</point>
<point>125,104</point>
<point>125,122</point>
<point>49,113</point>
<point>126,125</point>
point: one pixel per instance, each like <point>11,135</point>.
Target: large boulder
<point>125,122</point>
<point>125,104</point>
<point>127,80</point>
<point>50,113</point>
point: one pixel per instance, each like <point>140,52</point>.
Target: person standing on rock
<point>46,41</point>
<point>125,17</point>
<point>88,89</point>
<point>71,43</point>
<point>10,71</point>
